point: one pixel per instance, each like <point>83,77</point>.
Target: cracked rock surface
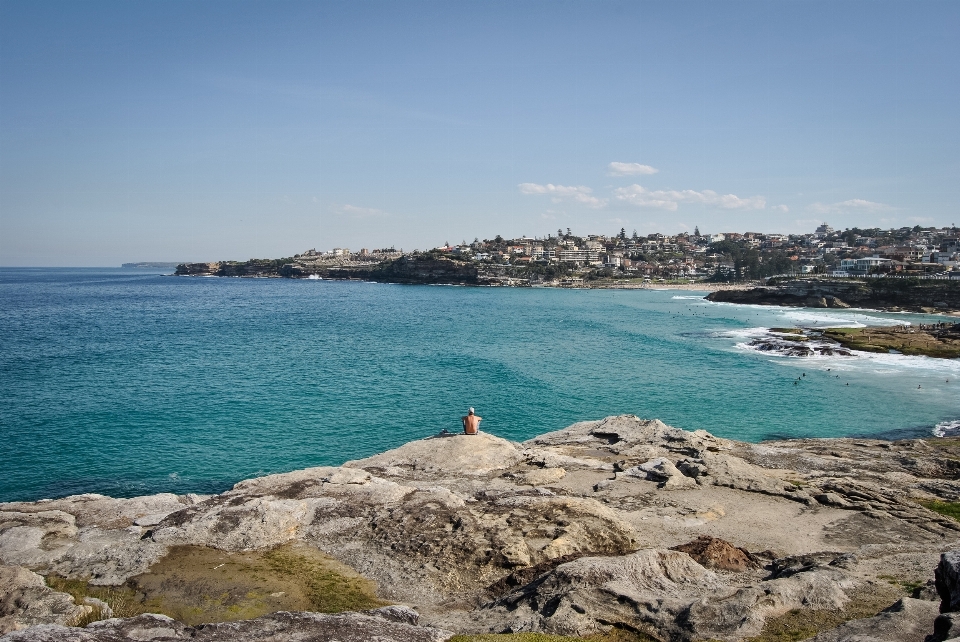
<point>622,521</point>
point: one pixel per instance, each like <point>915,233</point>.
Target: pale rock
<point>461,454</point>
<point>663,471</point>
<point>26,600</point>
<point>542,476</point>
<point>381,625</point>
<point>908,620</point>
<point>947,576</point>
<point>253,524</point>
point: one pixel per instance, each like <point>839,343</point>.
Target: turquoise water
<point>127,382</point>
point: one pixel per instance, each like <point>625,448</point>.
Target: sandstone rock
<point>26,600</point>
<point>459,454</point>
<point>248,524</point>
<point>713,552</point>
<point>945,627</point>
<point>574,598</point>
<point>947,576</point>
<point>908,620</point>
<point>282,626</point>
<point>692,467</point>
<point>453,523</point>
<point>661,470</point>
<point>831,499</point>
<point>663,593</point>
<point>542,476</point>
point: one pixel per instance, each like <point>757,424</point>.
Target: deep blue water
<point>129,382</point>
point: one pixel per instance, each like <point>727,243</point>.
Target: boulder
<point>714,552</point>
<point>662,471</point>
<point>945,627</point>
<point>26,600</point>
<point>908,620</point>
<point>456,455</point>
<point>662,593</point>
<point>947,577</point>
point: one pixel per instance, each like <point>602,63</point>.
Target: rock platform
<point>620,522</point>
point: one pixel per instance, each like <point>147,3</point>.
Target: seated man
<point>471,423</point>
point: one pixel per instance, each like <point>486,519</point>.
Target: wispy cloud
<point>851,205</point>
<point>631,169</point>
<point>558,193</point>
<point>780,208</point>
<point>358,212</point>
<point>671,199</point>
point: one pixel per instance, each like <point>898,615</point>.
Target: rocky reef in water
<point>894,294</point>
<point>621,523</point>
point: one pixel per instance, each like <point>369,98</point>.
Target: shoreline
<point>477,531</point>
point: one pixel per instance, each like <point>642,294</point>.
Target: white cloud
<point>853,204</point>
<point>780,208</point>
<point>670,199</point>
<point>359,212</point>
<point>630,169</point>
<point>577,193</point>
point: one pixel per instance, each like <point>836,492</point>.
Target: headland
<point>617,529</point>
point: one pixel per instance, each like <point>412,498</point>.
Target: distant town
<point>571,259</point>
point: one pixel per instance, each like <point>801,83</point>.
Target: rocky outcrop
<point>26,601</point>
<point>386,625</point>
<point>618,522</point>
<point>881,293</point>
<point>713,552</point>
<point>907,620</point>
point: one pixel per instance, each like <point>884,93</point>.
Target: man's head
<point>470,412</point>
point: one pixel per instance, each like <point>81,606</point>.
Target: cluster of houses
<point>921,251</point>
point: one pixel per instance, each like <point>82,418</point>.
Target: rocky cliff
<point>620,523</point>
<point>887,293</point>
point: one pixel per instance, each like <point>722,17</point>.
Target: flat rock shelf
<point>619,526</point>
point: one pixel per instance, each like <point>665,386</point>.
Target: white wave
<point>743,333</point>
<point>947,428</point>
<point>697,298</point>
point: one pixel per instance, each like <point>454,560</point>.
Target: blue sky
<point>212,130</point>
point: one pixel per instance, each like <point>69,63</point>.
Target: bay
<point>127,381</point>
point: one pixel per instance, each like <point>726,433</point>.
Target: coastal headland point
<point>616,529</point>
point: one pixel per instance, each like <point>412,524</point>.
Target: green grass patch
<point>949,509</point>
<point>801,624</point>
<point>328,590</point>
<point>122,600</point>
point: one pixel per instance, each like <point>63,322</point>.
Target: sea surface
<point>128,381</point>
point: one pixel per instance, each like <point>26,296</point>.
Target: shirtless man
<point>471,423</point>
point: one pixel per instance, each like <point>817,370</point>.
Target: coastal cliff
<point>416,268</point>
<point>893,294</point>
<point>614,525</point>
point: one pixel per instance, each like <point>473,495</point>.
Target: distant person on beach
<point>471,423</point>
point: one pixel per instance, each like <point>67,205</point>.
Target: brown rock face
<point>713,552</point>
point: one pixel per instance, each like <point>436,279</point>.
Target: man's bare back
<point>471,423</point>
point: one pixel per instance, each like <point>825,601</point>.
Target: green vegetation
<point>907,586</point>
<point>949,509</point>
<point>801,624</point>
<point>328,590</point>
<point>122,600</point>
<point>196,585</point>
<point>912,342</point>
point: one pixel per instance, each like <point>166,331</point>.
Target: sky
<point>211,130</point>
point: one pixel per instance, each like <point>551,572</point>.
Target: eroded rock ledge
<point>619,522</point>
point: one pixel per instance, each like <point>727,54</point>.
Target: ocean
<point>129,381</point>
